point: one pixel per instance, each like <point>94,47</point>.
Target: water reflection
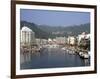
<point>51,58</point>
<point>25,57</point>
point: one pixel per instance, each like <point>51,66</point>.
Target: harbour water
<point>51,58</point>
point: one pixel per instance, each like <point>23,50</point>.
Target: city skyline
<point>54,18</point>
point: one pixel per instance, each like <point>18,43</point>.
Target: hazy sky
<point>54,18</point>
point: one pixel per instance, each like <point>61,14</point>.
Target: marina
<point>52,56</point>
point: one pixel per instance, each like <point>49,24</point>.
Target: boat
<point>84,55</point>
<point>63,48</point>
<point>71,52</point>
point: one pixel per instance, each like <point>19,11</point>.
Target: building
<point>50,41</point>
<point>71,40</point>
<point>44,41</point>
<point>27,36</point>
<point>41,41</point>
<point>83,36</point>
<point>38,41</point>
<point>60,40</point>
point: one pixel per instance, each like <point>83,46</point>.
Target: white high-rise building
<point>27,36</point>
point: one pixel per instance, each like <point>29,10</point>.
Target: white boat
<point>84,55</point>
<point>71,52</point>
<point>67,50</point>
<point>63,48</point>
<point>89,52</point>
<point>80,53</point>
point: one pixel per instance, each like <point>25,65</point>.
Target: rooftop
<point>25,28</point>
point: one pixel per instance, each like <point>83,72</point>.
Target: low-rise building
<point>71,40</point>
<point>41,41</point>
<point>60,40</point>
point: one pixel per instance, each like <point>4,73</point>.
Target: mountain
<point>66,30</point>
<point>45,31</point>
<point>38,32</point>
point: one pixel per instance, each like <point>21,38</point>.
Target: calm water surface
<point>51,58</point>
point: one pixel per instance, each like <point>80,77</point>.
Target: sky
<point>54,18</point>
